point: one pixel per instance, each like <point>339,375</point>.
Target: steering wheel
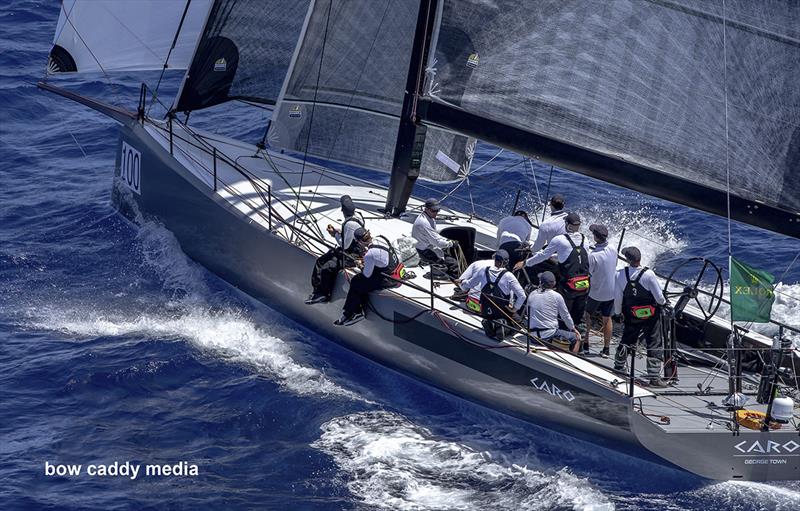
<point>689,292</point>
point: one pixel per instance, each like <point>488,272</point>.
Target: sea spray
<point>392,463</point>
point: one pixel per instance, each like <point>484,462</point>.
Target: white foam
<point>394,464</point>
<point>227,334</point>
<point>653,235</point>
<point>758,495</point>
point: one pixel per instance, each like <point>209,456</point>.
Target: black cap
<point>433,205</point>
<point>573,218</point>
<point>348,208</point>
<point>501,254</point>
<point>359,233</point>
<point>599,230</point>
<point>547,278</point>
<point>558,201</point>
<point>632,254</point>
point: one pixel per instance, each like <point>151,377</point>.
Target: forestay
<point>244,52</point>
<point>344,92</point>
<point>125,35</point>
<point>646,83</point>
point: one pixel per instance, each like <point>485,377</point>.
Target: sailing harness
<point>574,270</point>
<point>493,299</point>
<point>638,304</point>
<point>395,270</point>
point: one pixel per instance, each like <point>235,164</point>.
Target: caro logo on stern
<point>766,447</point>
<point>552,389</point>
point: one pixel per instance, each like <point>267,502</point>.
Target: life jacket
<point>574,271</point>
<point>638,304</point>
<point>492,297</point>
<point>395,270</point>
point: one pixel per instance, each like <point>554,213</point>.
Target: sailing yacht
<point>693,102</point>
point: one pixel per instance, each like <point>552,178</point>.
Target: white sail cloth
<point>126,35</point>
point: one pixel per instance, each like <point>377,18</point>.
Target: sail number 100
<point>130,168</point>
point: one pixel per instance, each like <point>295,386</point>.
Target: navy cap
<point>599,230</point>
<point>573,218</point>
<point>348,208</point>
<point>632,254</point>
<point>433,205</point>
<point>501,254</point>
<point>359,233</point>
<point>547,278</point>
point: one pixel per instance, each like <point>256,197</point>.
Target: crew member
<point>602,270</point>
<point>431,245</point>
<point>545,307</point>
<point>513,236</point>
<point>474,293</point>
<point>344,255</point>
<point>498,287</point>
<point>573,266</point>
<point>639,299</point>
<point>553,225</point>
<point>382,268</point>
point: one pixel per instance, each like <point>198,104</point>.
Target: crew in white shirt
<point>638,298</point>
<point>501,295</point>
<point>602,269</point>
<point>472,270</point>
<point>431,245</point>
<point>513,236</point>
<point>545,307</point>
<point>573,266</point>
<point>553,225</point>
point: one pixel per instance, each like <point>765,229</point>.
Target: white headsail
<point>126,35</point>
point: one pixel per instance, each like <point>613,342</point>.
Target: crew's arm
<point>544,254</point>
<point>516,290</point>
<point>473,281</point>
<point>650,282</point>
<point>563,313</point>
<point>540,236</point>
<point>619,288</point>
<point>369,263</point>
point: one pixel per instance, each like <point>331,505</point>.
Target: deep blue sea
<point>115,347</point>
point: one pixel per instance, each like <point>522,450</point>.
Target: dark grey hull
<point>416,343</point>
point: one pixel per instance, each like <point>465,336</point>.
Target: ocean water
<point>114,346</point>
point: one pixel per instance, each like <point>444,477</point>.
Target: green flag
<point>751,293</point>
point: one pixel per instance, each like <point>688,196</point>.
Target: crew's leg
<point>655,348</point>
<point>630,333</point>
<point>355,295</point>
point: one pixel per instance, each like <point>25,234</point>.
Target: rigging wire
<point>113,86</point>
<point>166,61</point>
<point>313,105</point>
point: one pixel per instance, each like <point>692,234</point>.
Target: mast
<point>411,135</point>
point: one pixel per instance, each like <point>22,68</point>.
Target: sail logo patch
<point>295,112</point>
<point>473,60</point>
<point>767,447</point>
<point>220,65</point>
<point>552,389</point>
<point>130,168</point>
